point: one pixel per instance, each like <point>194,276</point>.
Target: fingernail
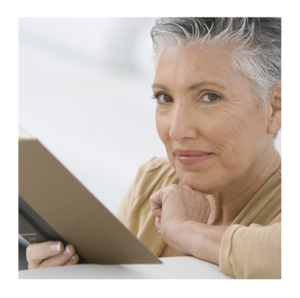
<point>67,251</point>
<point>159,232</point>
<point>72,258</point>
<point>55,246</point>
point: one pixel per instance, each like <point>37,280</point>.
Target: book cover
<point>54,205</point>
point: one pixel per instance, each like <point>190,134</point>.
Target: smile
<point>190,157</point>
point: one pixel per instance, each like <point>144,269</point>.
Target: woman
<point>217,196</point>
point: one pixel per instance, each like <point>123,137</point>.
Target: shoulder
<point>153,175</point>
<point>155,163</point>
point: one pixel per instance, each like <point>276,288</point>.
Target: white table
<point>172,268</point>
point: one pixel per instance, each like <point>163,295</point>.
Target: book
<point>55,205</point>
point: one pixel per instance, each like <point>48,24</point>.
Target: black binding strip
<point>41,225</point>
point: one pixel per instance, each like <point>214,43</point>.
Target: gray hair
<point>254,44</point>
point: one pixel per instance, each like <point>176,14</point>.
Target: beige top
<point>251,246</point>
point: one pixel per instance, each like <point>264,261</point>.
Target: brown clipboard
<point>53,203</point>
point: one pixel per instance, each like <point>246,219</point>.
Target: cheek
<point>236,134</point>
<point>162,127</point>
<point>232,132</point>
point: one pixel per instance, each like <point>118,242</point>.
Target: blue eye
<point>210,97</point>
<point>162,98</point>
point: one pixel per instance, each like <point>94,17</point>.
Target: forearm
<point>252,252</point>
<point>202,241</point>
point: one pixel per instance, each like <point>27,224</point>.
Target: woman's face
<point>214,132</point>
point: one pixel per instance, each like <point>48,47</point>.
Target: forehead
<point>190,64</point>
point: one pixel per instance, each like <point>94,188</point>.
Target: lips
<point>190,157</point>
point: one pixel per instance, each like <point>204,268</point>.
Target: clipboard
<point>55,205</point>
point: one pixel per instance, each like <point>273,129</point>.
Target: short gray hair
<point>255,44</point>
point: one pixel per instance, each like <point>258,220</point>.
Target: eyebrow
<point>192,87</point>
<point>160,86</point>
<point>195,86</point>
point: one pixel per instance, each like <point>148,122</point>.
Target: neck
<point>229,202</point>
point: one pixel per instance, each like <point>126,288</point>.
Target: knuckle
<point>45,264</point>
<point>155,193</point>
<point>29,251</point>
<point>152,204</point>
<point>174,186</point>
<point>186,187</point>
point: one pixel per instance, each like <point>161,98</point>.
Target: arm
<point>240,251</point>
<point>202,241</point>
<point>181,216</point>
<point>251,252</point>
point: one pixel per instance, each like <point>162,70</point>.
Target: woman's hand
<point>173,207</point>
<point>181,217</point>
<point>180,203</point>
<point>50,254</point>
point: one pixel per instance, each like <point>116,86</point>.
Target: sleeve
<point>134,212</point>
<point>125,214</point>
<point>124,207</point>
<point>251,252</point>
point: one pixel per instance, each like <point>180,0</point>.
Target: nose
<point>183,126</point>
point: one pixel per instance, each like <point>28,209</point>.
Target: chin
<point>199,182</point>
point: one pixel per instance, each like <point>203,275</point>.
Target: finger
<point>74,260</point>
<point>60,259</point>
<point>37,252</point>
<point>155,204</point>
<point>158,223</point>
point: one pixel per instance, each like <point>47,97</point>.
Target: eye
<point>162,98</point>
<point>210,97</point>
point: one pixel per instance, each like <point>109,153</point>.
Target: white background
<point>84,92</point>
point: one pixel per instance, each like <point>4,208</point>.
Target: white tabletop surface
<point>172,268</point>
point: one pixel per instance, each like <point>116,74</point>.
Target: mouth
<point>190,157</point>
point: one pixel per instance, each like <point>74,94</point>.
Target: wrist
<point>203,241</point>
<point>181,238</point>
<point>194,237</point>
<point>189,232</point>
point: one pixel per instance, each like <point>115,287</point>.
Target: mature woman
<point>217,196</point>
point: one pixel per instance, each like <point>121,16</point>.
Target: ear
<point>274,124</point>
